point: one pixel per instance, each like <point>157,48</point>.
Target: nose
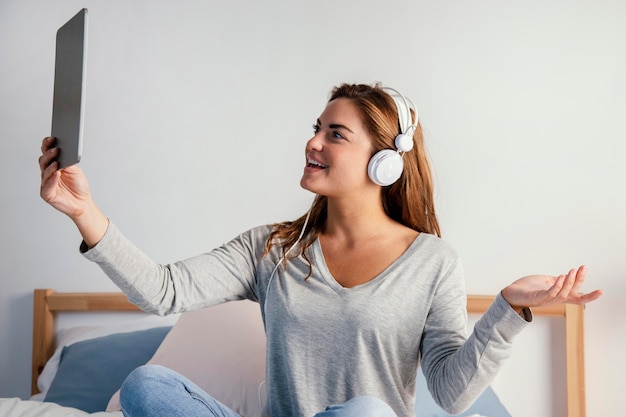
<point>314,143</point>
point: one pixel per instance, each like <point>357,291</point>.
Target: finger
<point>46,159</point>
<point>555,289</point>
<point>592,296</point>
<point>581,273</point>
<point>47,143</point>
<point>48,178</point>
<point>551,294</point>
<point>586,298</point>
<point>49,171</point>
<point>565,292</point>
<point>568,284</point>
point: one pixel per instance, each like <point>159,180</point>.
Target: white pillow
<point>67,337</point>
<point>222,350</point>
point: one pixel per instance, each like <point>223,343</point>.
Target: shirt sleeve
<point>459,369</point>
<point>226,273</point>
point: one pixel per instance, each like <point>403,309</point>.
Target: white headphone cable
<point>282,258</point>
<point>306,222</point>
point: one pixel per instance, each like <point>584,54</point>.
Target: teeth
<point>315,163</point>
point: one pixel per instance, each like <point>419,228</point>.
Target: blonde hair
<point>408,201</point>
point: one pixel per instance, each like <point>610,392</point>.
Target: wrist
<point>518,309</point>
<point>91,223</point>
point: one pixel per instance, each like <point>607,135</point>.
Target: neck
<point>353,220</point>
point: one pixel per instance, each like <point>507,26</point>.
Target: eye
<point>316,128</point>
<point>337,135</point>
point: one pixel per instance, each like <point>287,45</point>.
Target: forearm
<point>91,223</point>
<point>458,378</point>
<point>223,274</point>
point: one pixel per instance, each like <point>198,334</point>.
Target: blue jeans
<point>155,391</point>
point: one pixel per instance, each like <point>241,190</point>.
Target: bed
<point>237,365</point>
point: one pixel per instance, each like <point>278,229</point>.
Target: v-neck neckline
<point>330,280</point>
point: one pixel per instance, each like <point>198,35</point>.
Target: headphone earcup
<point>385,167</point>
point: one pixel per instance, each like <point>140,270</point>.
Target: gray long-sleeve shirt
<point>326,343</point>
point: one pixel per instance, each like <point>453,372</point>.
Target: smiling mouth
<point>310,163</point>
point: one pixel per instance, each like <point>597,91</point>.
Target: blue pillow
<point>488,404</point>
<point>91,371</point>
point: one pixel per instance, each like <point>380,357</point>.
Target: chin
<point>305,185</point>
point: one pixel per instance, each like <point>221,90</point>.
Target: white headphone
<point>386,166</point>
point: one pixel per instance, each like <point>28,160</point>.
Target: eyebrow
<point>336,126</point>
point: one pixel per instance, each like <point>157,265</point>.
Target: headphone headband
<point>386,166</point>
<point>404,106</point>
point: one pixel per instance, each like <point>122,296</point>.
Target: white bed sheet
<point>16,407</point>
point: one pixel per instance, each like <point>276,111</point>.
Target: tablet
<point>69,89</point>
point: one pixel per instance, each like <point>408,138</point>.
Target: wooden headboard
<point>47,303</point>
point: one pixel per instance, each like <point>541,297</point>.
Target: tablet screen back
<point>69,88</point>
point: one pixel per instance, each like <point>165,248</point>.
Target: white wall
<point>198,112</point>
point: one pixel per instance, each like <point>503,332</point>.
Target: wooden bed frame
<point>47,303</point>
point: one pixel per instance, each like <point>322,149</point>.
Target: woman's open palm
<point>538,290</point>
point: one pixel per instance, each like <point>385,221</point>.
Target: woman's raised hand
<point>67,190</point>
<point>538,290</point>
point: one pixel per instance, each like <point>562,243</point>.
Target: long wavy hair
<point>408,201</point>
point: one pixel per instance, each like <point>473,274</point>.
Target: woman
<point>355,295</point>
